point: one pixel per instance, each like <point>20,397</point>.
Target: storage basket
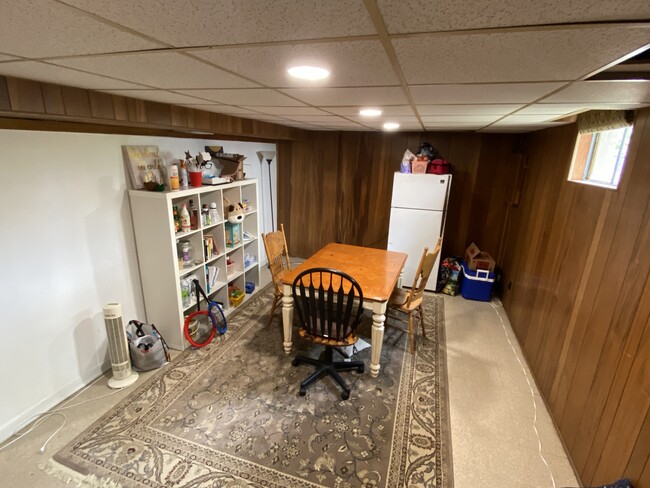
<point>419,166</point>
<point>235,296</point>
<point>476,285</point>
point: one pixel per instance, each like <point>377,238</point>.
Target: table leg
<point>287,317</point>
<point>377,337</point>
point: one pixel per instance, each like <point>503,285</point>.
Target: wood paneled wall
<point>336,187</point>
<point>578,261</point>
<point>26,104</point>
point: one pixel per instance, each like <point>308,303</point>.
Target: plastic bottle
<point>194,216</point>
<point>214,214</point>
<point>173,178</point>
<point>205,216</point>
<point>185,292</point>
<point>177,219</point>
<point>184,177</point>
<point>186,222</point>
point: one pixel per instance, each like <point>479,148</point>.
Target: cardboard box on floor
<point>477,259</point>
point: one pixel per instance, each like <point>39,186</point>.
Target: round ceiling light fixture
<point>391,126</point>
<point>311,73</point>
<point>370,112</point>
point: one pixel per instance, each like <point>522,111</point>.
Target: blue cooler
<point>476,285</point>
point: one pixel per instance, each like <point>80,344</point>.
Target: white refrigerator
<point>417,218</point>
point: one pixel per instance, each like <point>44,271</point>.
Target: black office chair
<point>329,304</point>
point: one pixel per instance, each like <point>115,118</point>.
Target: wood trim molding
<point>32,105</point>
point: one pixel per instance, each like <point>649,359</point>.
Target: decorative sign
<point>145,165</point>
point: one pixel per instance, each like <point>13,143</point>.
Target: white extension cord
<point>40,417</point>
<point>530,387</point>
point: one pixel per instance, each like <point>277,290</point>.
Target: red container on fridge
<point>439,167</point>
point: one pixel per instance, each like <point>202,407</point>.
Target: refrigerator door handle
<point>446,208</point>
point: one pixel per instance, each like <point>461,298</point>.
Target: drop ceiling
<point>429,65</point>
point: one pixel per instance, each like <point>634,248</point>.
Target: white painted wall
<point>67,248</point>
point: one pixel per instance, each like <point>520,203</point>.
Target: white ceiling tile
<point>499,109</point>
<point>218,22</point>
<point>160,70</point>
<point>379,121</point>
<point>349,96</point>
<point>386,110</point>
<point>570,108</point>
<point>528,118</point>
<point>43,28</point>
<point>354,63</point>
<point>452,126</point>
<point>253,96</point>
<point>34,70</point>
<point>287,111</point>
<point>325,119</point>
<point>404,16</point>
<point>603,92</point>
<point>452,129</point>
<point>470,119</point>
<point>543,55</point>
<point>161,96</point>
<point>519,127</point>
<point>514,120</point>
<point>487,93</point>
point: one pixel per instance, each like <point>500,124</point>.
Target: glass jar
<point>185,254</point>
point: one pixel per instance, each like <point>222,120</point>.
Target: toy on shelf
<point>235,212</point>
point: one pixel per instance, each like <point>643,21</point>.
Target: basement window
<point>600,150</point>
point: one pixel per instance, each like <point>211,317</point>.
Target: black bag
<point>428,151</point>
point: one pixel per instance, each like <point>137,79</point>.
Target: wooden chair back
<point>277,254</point>
<point>422,274</point>
<point>329,303</point>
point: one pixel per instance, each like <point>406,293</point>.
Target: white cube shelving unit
<point>157,243</point>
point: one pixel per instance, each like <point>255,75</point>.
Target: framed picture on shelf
<point>145,165</point>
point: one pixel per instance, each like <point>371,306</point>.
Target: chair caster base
<point>302,392</point>
<point>295,363</point>
<point>345,395</point>
<point>360,369</point>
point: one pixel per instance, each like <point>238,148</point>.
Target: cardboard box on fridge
<point>477,259</point>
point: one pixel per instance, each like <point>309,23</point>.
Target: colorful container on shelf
<point>235,296</point>
<point>476,285</point>
<point>233,234</point>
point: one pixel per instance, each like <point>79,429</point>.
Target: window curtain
<point>599,120</point>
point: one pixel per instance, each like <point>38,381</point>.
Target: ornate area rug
<point>229,415</point>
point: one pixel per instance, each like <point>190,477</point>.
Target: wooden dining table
<point>377,271</point>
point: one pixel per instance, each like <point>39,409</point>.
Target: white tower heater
<point>118,348</point>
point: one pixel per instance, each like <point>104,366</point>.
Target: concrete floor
<point>493,440</point>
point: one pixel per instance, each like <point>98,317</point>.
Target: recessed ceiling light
<point>308,72</point>
<point>370,112</point>
<point>391,126</point>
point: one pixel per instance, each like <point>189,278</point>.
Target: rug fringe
<point>67,475</point>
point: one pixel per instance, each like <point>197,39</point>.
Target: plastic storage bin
<point>476,285</point>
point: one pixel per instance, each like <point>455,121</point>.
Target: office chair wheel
<point>302,392</point>
<point>345,395</point>
<point>295,362</point>
<point>360,369</point>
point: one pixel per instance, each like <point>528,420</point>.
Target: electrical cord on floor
<point>530,387</point>
<point>40,417</point>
